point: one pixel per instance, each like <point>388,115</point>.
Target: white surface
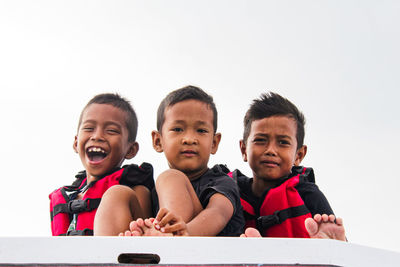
<point>337,60</point>
<point>194,250</point>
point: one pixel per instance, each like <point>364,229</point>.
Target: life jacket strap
<point>84,232</point>
<point>76,206</point>
<point>279,216</point>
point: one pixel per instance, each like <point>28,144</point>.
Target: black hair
<point>272,104</point>
<point>182,94</point>
<point>117,101</point>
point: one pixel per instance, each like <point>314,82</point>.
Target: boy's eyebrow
<point>106,123</point>
<point>196,122</point>
<point>285,136</point>
<point>279,135</point>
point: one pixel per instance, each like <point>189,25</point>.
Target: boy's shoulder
<point>236,177</point>
<point>306,174</point>
<point>215,178</point>
<point>217,173</point>
<point>129,175</point>
<point>138,175</point>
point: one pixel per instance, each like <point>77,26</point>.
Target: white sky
<point>338,61</point>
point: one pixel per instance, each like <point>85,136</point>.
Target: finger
<point>174,228</point>
<point>169,218</point>
<point>161,213</point>
<point>332,218</point>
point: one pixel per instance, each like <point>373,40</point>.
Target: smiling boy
<point>282,197</point>
<point>106,137</point>
<point>192,199</point>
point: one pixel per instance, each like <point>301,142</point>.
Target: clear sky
<point>338,61</point>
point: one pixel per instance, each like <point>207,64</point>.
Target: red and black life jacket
<point>282,212</point>
<point>64,205</point>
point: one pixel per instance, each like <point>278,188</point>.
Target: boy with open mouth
<point>106,136</point>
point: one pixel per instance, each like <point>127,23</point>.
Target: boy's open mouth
<point>96,154</point>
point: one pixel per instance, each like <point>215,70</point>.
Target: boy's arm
<point>314,199</point>
<point>213,219</point>
<point>209,222</point>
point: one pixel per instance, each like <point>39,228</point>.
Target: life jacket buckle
<point>264,222</point>
<point>78,206</point>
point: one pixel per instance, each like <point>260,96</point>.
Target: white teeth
<point>96,149</point>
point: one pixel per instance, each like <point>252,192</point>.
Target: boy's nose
<point>270,150</point>
<point>97,135</point>
<point>189,139</point>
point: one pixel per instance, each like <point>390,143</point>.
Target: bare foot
<point>251,232</point>
<point>324,226</point>
<point>149,229</point>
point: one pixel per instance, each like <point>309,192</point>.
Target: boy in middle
<point>190,198</point>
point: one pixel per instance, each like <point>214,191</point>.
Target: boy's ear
<point>133,150</point>
<point>215,143</point>
<point>300,154</point>
<point>243,150</point>
<point>75,144</point>
<point>156,137</point>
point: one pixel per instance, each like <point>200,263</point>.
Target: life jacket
<point>64,207</point>
<point>282,212</point>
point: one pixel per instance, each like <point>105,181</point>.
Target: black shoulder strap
<point>279,216</point>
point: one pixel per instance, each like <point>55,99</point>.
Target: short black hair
<point>182,94</point>
<point>117,101</point>
<point>272,104</point>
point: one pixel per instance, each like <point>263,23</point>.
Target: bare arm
<point>213,219</point>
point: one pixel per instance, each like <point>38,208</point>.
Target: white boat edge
<point>193,250</point>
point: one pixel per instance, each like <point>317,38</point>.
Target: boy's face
<point>102,139</point>
<point>187,137</point>
<point>271,147</point>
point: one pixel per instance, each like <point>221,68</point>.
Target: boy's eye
<point>259,140</point>
<point>284,142</point>
<point>202,131</point>
<point>112,131</point>
<point>87,129</point>
<point>177,129</point>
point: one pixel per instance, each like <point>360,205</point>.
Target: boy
<point>282,197</point>
<point>106,137</point>
<point>193,199</point>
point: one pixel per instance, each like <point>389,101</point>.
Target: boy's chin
<point>193,171</point>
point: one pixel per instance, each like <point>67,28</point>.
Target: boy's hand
<point>324,226</point>
<point>168,222</point>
